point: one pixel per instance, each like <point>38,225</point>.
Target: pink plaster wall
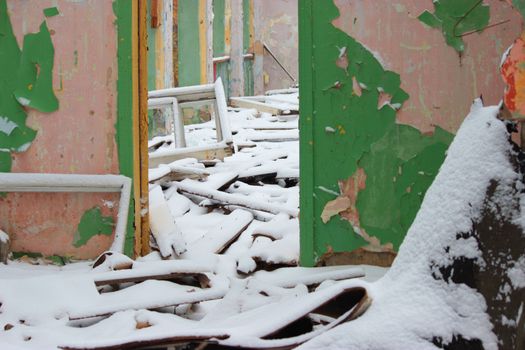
<point>79,138</point>
<point>439,82</point>
<point>279,30</point>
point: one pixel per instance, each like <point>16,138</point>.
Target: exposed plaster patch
<point>334,207</point>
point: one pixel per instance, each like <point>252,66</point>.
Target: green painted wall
<point>347,139</point>
<point>124,125</point>
<point>247,64</point>
<point>25,80</point>
<point>455,18</point>
<point>189,53</point>
<point>219,43</point>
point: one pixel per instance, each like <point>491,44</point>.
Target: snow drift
<point>458,280</point>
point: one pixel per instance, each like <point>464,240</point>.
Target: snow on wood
<point>144,270</point>
<point>264,327</point>
<point>110,261</point>
<point>219,238</point>
<point>150,294</point>
<point>288,277</point>
<point>162,224</point>
<point>243,201</point>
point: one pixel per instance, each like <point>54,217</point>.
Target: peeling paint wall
<point>80,135</point>
<point>277,21</point>
<point>381,97</point>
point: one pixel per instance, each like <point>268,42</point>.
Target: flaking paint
<point>91,224</point>
<point>92,45</point>
<point>359,64</point>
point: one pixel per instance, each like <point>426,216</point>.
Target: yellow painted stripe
<point>159,46</point>
<point>227,27</point>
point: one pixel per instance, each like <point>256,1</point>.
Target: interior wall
<point>80,135</point>
<point>382,94</point>
<point>277,24</point>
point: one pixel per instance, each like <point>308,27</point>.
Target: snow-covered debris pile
<point>458,281</point>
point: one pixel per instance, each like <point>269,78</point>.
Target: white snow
<point>408,293</point>
<point>4,238</point>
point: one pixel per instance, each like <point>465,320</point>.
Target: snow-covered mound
<point>459,279</point>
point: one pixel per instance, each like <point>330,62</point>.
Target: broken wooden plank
<point>4,247</point>
<point>260,106</point>
<point>287,323</point>
<point>210,152</point>
<point>219,239</point>
<point>234,199</point>
<point>142,271</point>
<point>162,225</point>
<point>289,277</point>
<point>150,294</point>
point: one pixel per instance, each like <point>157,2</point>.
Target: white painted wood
<point>191,95</point>
<point>178,123</point>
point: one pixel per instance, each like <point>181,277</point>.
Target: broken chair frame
<point>189,96</point>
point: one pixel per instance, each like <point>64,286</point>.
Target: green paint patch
<point>25,80</point>
<point>400,167</point>
<point>5,162</point>
<point>91,224</point>
<point>124,126</point>
<point>520,6</point>
<point>35,76</point>
<point>456,18</point>
<point>398,160</point>
<point>51,12</point>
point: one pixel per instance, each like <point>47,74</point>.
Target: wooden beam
<point>155,18</point>
<point>260,106</point>
<point>140,74</point>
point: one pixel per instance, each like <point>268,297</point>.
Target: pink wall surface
<point>79,138</point>
<point>279,30</point>
<point>440,83</point>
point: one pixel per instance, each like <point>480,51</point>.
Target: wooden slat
<point>143,221</point>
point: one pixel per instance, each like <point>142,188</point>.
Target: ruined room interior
<point>262,174</point>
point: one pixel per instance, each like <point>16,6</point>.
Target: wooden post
<point>140,127</point>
